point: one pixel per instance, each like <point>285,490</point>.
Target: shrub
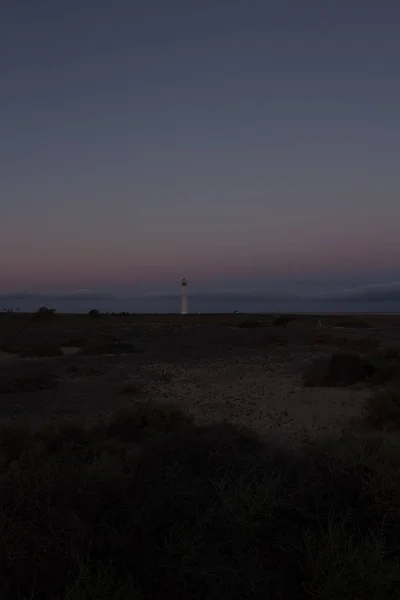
<point>391,354</point>
<point>74,342</point>
<point>94,313</point>
<point>377,369</point>
<point>340,370</point>
<point>11,382</point>
<point>109,347</point>
<point>274,339</point>
<point>283,320</point>
<point>145,419</point>
<point>363,345</point>
<point>84,370</point>
<point>200,512</point>
<point>44,313</point>
<point>132,387</point>
<point>250,324</point>
<point>41,351</point>
<point>382,409</point>
<point>12,344</point>
<point>386,370</point>
<point>354,324</point>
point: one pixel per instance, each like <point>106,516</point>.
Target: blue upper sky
<point>243,144</point>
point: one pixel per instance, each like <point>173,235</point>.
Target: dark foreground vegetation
<point>342,369</point>
<point>149,506</point>
<point>146,505</point>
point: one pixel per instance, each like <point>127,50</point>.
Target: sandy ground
<point>215,373</point>
<point>266,395</point>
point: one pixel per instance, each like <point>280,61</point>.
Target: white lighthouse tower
<point>184,299</point>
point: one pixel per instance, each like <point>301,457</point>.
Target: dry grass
<point>147,506</point>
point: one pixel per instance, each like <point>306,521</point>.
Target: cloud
<point>380,292</point>
<point>81,299</point>
<point>386,292</point>
<point>77,295</point>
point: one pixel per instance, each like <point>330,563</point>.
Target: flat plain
<point>204,457</point>
<point>240,369</point>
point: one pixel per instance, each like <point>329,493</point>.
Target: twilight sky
<point>241,143</point>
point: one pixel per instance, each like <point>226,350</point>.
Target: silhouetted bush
<point>341,369</point>
<point>145,419</point>
<point>250,324</point>
<point>283,320</point>
<point>84,370</point>
<point>132,387</point>
<point>94,313</point>
<point>349,344</point>
<point>392,354</point>
<point>41,351</point>
<point>109,347</point>
<point>386,368</point>
<point>274,339</point>
<point>354,324</point>
<point>44,313</point>
<point>210,512</point>
<point>31,382</point>
<point>382,409</point>
<point>74,342</point>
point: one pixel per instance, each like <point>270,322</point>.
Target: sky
<point>243,144</point>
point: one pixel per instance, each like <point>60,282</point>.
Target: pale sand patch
<point>265,395</point>
<point>70,350</point>
<point>6,356</point>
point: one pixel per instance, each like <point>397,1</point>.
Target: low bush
<point>84,370</point>
<point>74,342</point>
<point>250,324</point>
<point>386,369</point>
<point>12,383</point>
<point>348,344</point>
<point>339,370</point>
<point>145,419</point>
<point>392,353</point>
<point>354,324</point>
<point>382,409</point>
<point>132,387</point>
<point>283,320</point>
<point>148,506</point>
<point>274,339</point>
<point>44,313</point>
<point>109,347</point>
<point>41,351</point>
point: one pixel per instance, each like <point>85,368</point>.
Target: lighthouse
<point>184,299</point>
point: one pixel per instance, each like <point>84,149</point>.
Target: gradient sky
<point>239,143</point>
